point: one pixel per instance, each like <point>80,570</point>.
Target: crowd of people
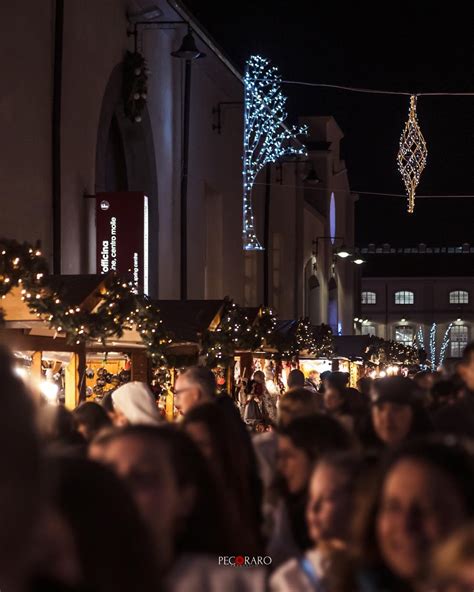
<point>345,490</point>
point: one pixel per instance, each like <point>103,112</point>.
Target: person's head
<point>194,386</point>
<point>395,407</point>
<point>218,435</point>
<point>444,392</point>
<point>335,397</point>
<point>97,447</point>
<point>424,379</point>
<point>172,486</point>
<point>364,385</point>
<point>295,379</point>
<point>107,404</point>
<point>302,442</point>
<point>90,418</point>
<point>324,376</point>
<point>452,564</point>
<point>466,367</point>
<point>338,379</point>
<point>425,492</point>
<point>313,376</point>
<point>20,475</point>
<point>91,533</point>
<point>259,377</point>
<point>134,404</point>
<point>331,497</point>
<point>297,403</point>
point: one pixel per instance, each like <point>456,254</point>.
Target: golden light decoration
<point>412,154</point>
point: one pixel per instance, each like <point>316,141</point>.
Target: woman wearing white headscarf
<point>134,404</point>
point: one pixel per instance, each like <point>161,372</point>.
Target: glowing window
<point>459,297</point>
<point>368,298</point>
<point>404,297</point>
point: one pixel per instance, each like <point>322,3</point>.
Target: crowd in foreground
<point>346,490</point>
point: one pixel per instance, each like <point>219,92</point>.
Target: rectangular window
<point>404,297</point>
<point>459,335</point>
<point>368,298</point>
<point>368,330</point>
<point>459,297</point>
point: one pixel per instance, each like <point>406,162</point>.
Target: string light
<point>412,154</point>
<point>266,138</point>
<point>433,345</point>
<point>444,345</point>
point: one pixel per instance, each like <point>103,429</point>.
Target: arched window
<point>459,335</point>
<point>404,297</point>
<point>459,297</point>
<point>368,298</point>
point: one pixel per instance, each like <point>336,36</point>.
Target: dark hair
<point>206,529</point>
<point>234,464</point>
<point>317,434</point>
<point>203,377</point>
<point>65,439</point>
<point>467,353</point>
<point>402,391</point>
<point>364,384</point>
<point>444,388</point>
<point>298,402</point>
<point>397,389</point>
<point>454,458</point>
<point>114,548</point>
<point>107,402</point>
<point>338,379</point>
<point>295,379</point>
<point>355,466</point>
<point>93,416</point>
<point>19,467</point>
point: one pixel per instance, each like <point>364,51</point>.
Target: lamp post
<point>188,52</point>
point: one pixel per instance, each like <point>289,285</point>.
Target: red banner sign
<point>122,236</point>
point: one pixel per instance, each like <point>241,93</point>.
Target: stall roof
<point>187,319</point>
<point>286,327</point>
<point>75,290</point>
<point>351,346</point>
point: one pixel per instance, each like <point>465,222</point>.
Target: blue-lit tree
<point>444,344</point>
<point>266,138</point>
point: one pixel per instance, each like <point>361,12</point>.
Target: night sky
<point>385,46</point>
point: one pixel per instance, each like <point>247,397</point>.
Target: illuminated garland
<point>304,339</point>
<point>266,138</point>
<point>384,352</point>
<point>134,86</point>
<point>120,308</point>
<point>235,332</point>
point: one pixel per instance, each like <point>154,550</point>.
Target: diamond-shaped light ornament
<point>412,154</point>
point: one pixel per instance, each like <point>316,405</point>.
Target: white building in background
<point>405,290</point>
<point>65,138</point>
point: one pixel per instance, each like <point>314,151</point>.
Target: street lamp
<point>343,253</point>
<point>188,49</point>
<point>359,261</point>
<point>189,53</point>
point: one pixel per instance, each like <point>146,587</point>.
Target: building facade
<point>66,138</point>
<point>411,294</point>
